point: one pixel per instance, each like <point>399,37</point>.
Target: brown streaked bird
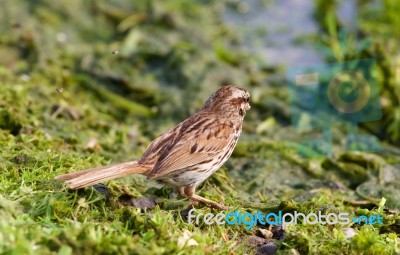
<point>187,154</point>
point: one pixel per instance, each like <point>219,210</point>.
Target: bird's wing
<point>198,141</point>
<point>158,145</point>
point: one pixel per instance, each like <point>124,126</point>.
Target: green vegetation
<point>87,83</point>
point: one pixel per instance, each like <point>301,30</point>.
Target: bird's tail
<point>84,178</point>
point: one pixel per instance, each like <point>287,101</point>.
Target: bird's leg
<point>189,193</point>
<point>181,191</point>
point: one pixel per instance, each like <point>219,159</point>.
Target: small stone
<point>184,213</point>
<point>25,77</point>
<point>349,232</point>
<point>103,189</point>
<point>92,144</point>
<point>73,113</point>
<point>266,233</point>
<point>256,241</point>
<point>269,249</point>
<point>144,202</point>
<point>278,232</point>
<point>133,133</point>
<point>62,37</point>
<point>186,239</point>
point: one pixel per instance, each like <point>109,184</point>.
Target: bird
<point>187,154</point>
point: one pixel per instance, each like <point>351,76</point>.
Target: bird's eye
<point>247,99</point>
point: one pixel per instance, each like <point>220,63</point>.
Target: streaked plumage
<point>187,154</point>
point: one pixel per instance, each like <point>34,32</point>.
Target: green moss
<point>61,86</point>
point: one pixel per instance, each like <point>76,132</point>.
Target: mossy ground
<point>69,101</point>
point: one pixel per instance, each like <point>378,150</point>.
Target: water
<point>280,30</point>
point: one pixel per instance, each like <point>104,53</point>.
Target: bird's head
<point>229,100</point>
